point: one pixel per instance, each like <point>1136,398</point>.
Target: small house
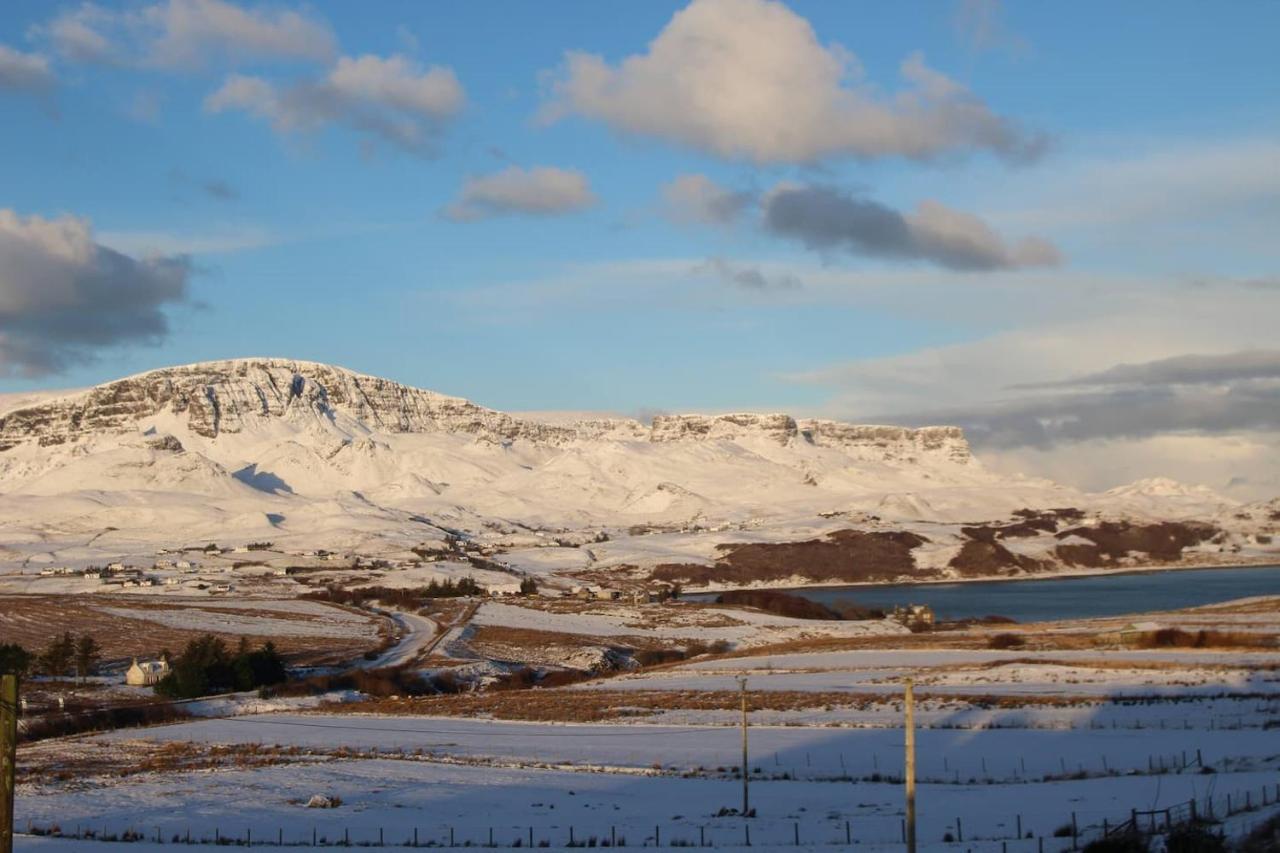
<point>914,615</point>
<point>147,673</point>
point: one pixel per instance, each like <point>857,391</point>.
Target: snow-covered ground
<point>438,775</point>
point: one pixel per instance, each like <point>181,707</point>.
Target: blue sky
<point>1081,187</point>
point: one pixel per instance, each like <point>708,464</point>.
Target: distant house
<point>146,673</point>
<point>608,594</point>
<point>917,615</point>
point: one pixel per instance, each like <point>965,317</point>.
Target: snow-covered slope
<point>311,453</point>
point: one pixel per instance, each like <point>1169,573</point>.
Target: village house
<point>914,615</point>
<point>147,673</point>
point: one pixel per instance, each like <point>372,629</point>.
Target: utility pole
<point>746,772</point>
<point>8,757</point>
<point>909,706</point>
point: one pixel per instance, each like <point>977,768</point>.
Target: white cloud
<point>541,191</point>
<point>698,199</point>
<point>748,79</point>
<point>188,33</point>
<point>24,72</point>
<point>388,98</point>
<point>64,296</point>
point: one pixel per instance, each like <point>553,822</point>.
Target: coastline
<point>1067,574</point>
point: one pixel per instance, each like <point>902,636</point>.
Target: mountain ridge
<point>217,396</point>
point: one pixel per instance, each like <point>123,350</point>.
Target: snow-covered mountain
<point>310,453</point>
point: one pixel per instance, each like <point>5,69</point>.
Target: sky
<point>1054,226</point>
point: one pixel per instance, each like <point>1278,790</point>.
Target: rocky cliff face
<point>227,397</point>
<point>872,441</point>
<point>895,441</point>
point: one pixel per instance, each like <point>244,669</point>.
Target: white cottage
<point>146,673</point>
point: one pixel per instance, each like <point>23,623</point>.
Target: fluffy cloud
<point>24,72</point>
<point>748,79</point>
<point>63,296</point>
<point>386,98</point>
<point>188,33</point>
<point>698,199</point>
<point>830,218</point>
<point>541,191</point>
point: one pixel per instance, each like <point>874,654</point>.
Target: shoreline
<point>1070,574</point>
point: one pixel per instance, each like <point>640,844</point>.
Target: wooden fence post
<point>8,757</point>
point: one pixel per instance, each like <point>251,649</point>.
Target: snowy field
<point>647,783</point>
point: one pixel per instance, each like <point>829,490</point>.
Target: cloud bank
<point>749,80</point>
<point>63,296</point>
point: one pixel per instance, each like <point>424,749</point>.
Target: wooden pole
<point>909,707</point>
<point>8,757</point>
<point>746,772</point>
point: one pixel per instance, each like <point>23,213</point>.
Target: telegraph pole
<point>909,773</point>
<point>8,757</point>
<point>746,772</point>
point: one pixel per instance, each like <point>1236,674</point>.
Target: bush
<point>14,659</point>
<point>1178,638</point>
<point>403,598</point>
<point>1190,838</point>
<point>1006,641</point>
<point>1130,842</point>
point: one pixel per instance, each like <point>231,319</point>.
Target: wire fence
<point>1015,833</point>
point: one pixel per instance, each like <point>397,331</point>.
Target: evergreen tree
<point>58,657</point>
<point>87,654</point>
<point>14,659</point>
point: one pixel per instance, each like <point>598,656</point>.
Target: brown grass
<point>33,620</point>
<point>587,706</point>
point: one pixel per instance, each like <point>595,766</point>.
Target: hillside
<point>310,456</point>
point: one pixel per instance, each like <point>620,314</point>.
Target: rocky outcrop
<point>871,441</point>
<point>890,441</point>
<point>779,428</point>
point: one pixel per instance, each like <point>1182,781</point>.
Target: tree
<point>58,657</point>
<point>528,586</point>
<point>205,667</point>
<point>87,653</point>
<point>14,659</point>
<point>259,668</point>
